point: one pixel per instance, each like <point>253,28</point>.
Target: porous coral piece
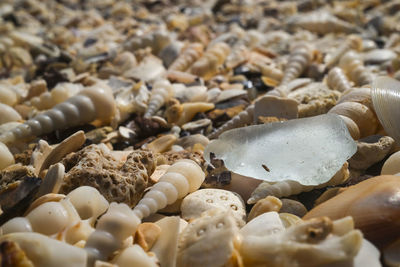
<point>172,156</point>
<point>15,173</point>
<point>314,99</point>
<point>116,180</point>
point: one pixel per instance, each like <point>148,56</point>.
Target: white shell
<point>8,114</point>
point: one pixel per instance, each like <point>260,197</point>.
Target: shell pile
<point>110,111</point>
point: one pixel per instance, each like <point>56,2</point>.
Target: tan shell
<point>352,127</point>
<point>270,203</point>
<point>359,95</point>
<point>391,165</point>
<point>363,201</point>
<point>360,114</point>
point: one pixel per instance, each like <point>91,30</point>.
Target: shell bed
<point>197,133</point>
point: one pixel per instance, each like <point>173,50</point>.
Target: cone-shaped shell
<point>374,205</point>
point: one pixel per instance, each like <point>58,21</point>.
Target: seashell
<point>207,66</point>
<point>197,125</point>
<point>146,235</point>
<point>166,245</point>
<point>181,77</point>
<point>194,204</point>
<point>337,80</point>
<point>68,145</point>
<point>229,94</point>
<point>391,254</point>
<point>57,95</point>
<point>149,69</point>
<point>292,207</point>
<point>117,224</point>
<point>183,177</point>
<point>238,56</point>
<point>8,96</point>
<point>16,225</point>
<point>363,116</point>
<point>6,158</point>
<point>391,165</point>
<point>161,93</point>
<point>299,59</point>
<point>307,243</point>
<point>359,95</point>
<point>88,202</point>
<point>155,40</point>
<point>244,117</point>
<point>190,93</point>
<point>188,56</point>
<point>189,110</point>
<point>378,56</point>
<point>47,252</point>
<point>289,219</point>
<point>274,106</point>
<point>51,197</point>
<point>353,66</point>
<point>91,104</point>
<point>290,187</point>
<point>352,42</point>
<point>162,144</point>
<point>52,181</point>
<point>8,114</point>
<point>265,224</point>
<point>170,52</point>
<point>12,255</point>
<point>133,256</point>
<point>384,98</point>
<point>371,152</point>
<point>208,240</point>
<point>191,140</point>
<point>268,204</point>
<point>352,127</point>
<point>377,193</point>
<point>322,22</point>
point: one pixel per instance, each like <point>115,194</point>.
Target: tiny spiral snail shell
<point>182,178</point>
<point>92,104</point>
<point>191,53</point>
<point>162,91</point>
<point>352,42</point>
<point>299,59</point>
<point>353,66</point>
<point>337,80</point>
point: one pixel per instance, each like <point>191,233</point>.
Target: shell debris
<point>199,133</point>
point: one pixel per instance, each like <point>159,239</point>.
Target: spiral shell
<point>213,58</point>
<point>337,80</point>
<point>288,188</point>
<point>92,104</point>
<point>8,114</point>
<point>352,42</point>
<point>189,55</point>
<point>363,116</point>
<point>385,98</point>
<point>162,91</point>
<point>59,94</point>
<point>183,177</point>
<point>244,117</point>
<point>354,67</point>
<point>299,59</point>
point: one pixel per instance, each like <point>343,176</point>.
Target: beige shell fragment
<point>6,158</point>
<point>208,240</point>
<point>275,106</point>
<point>48,252</point>
<point>194,204</point>
<point>166,246</point>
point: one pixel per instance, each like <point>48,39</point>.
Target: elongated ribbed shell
<point>93,103</point>
<point>386,98</point>
<point>337,80</point>
<point>299,59</point>
<point>162,91</point>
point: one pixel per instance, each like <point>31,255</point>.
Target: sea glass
<point>309,150</point>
